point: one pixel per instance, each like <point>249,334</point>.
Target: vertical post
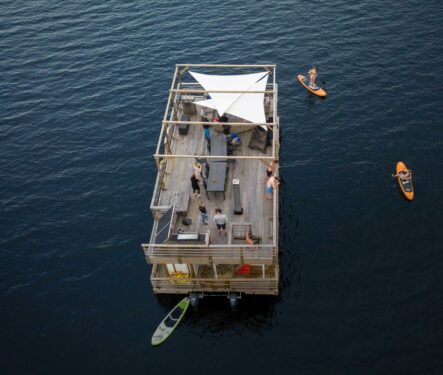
<point>195,271</point>
<point>214,266</point>
<point>167,144</point>
<point>165,117</point>
<point>277,151</point>
<point>274,142</point>
<point>275,95</point>
<point>263,270</point>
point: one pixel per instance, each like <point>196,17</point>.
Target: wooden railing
<point>212,254</point>
<point>246,285</point>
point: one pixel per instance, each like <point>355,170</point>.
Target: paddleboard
<point>168,324</point>
<point>405,185</point>
<point>316,90</point>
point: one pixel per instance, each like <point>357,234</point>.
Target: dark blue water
<point>82,92</point>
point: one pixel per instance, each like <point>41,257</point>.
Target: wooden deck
<point>257,210</point>
<point>197,257</point>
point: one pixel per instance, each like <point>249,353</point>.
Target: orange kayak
<point>406,186</point>
<point>316,90</point>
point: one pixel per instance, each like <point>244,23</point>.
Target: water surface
<point>83,89</point>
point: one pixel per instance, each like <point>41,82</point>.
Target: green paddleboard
<point>168,324</point>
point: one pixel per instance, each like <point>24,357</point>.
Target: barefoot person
<point>195,186</point>
<point>312,76</point>
<point>249,238</point>
<point>198,170</point>
<point>203,212</point>
<point>271,184</point>
<point>272,168</point>
<point>220,220</point>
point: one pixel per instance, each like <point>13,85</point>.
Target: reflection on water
<point>254,314</point>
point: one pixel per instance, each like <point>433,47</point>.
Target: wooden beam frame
<point>205,246</point>
<point>165,116</point>
<point>196,91</point>
<point>212,123</point>
<point>179,87</point>
<point>237,157</point>
<point>226,66</point>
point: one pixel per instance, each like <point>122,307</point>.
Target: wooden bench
<point>237,234</point>
<point>238,209</point>
<point>182,200</point>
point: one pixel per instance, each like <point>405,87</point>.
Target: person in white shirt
<point>220,220</point>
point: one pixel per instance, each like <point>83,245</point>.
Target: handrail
<point>214,246</point>
<point>222,280</point>
<point>234,157</point>
<point>213,123</point>
<point>226,65</point>
<point>248,252</point>
<point>193,91</point>
<point>247,285</point>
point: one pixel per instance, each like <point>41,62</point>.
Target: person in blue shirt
<point>207,134</point>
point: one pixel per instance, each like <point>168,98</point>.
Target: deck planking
<point>257,210</point>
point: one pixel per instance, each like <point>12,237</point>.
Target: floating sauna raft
<point>194,258</point>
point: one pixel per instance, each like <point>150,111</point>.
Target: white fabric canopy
<point>246,106</point>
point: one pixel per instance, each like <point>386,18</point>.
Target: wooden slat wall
<point>231,255</point>
<point>248,286</point>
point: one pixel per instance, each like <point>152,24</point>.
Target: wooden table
<point>217,167</point>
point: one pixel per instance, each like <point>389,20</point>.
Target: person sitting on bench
<point>249,238</point>
<point>252,240</point>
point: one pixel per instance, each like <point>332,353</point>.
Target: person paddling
<point>404,175</point>
<point>312,76</point>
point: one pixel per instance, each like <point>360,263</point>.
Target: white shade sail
<point>243,105</point>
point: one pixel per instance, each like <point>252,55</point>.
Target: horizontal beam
<point>226,65</point>
<point>220,123</point>
<point>172,156</point>
<point>193,91</point>
<point>212,247</point>
<point>160,208</point>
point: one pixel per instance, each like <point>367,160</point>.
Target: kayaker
<point>405,175</point>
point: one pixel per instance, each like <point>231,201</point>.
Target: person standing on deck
<point>207,134</point>
<point>195,186</point>
<point>272,169</point>
<point>271,184</point>
<point>220,220</point>
<point>203,212</point>
<point>312,76</point>
<point>198,171</point>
